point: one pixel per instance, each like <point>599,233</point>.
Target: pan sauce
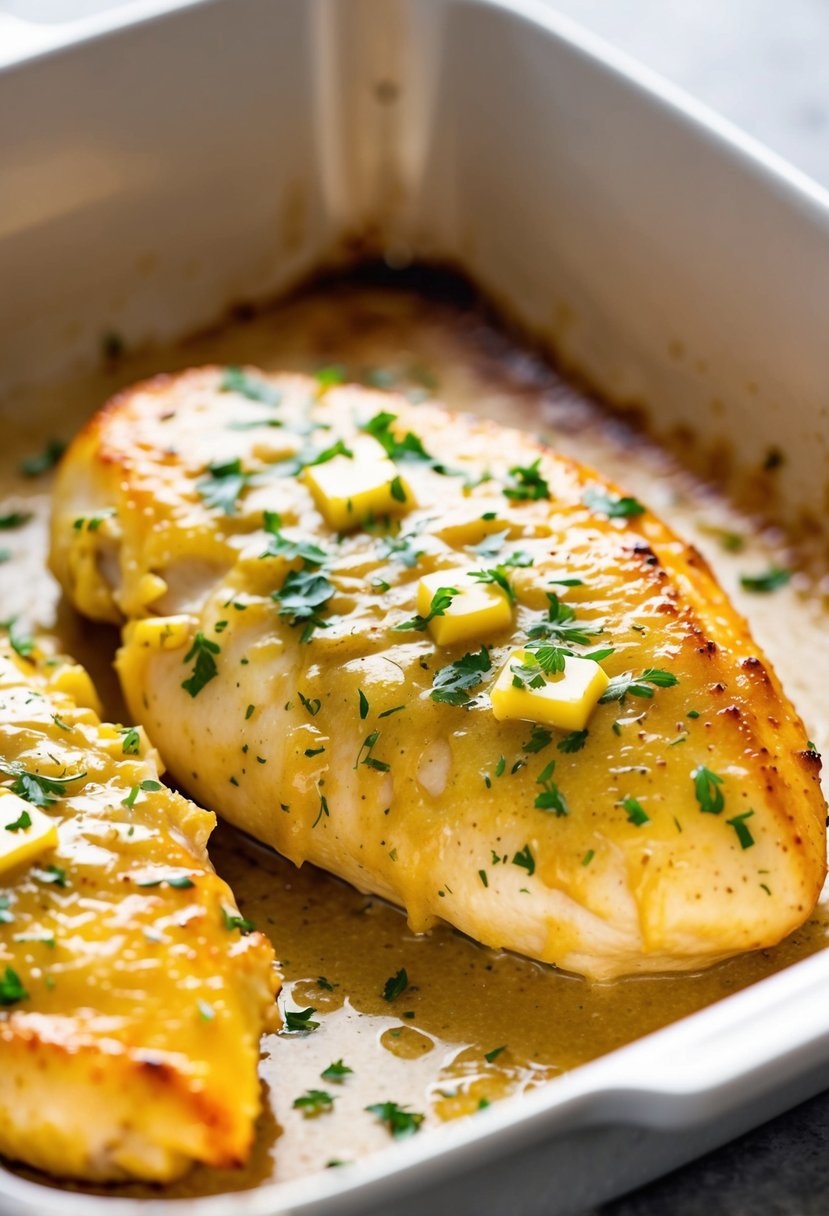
<point>428,1047</point>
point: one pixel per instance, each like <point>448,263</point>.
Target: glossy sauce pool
<point>472,1025</point>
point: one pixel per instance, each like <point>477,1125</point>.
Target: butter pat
<point>159,633</point>
<point>477,610</point>
<point>23,844</point>
<point>350,490</point>
<point>565,700</point>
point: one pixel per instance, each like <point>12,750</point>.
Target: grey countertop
<point>764,65</point>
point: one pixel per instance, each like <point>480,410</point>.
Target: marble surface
<point>764,65</point>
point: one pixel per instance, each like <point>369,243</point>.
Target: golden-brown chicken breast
<point>132,995</point>
<point>456,669</point>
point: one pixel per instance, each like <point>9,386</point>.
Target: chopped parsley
<point>738,823</point>
<point>635,812</point>
<point>492,1056</point>
<point>336,1071</point>
<point>323,812</point>
<point>235,380</point>
<point>551,798</point>
<point>279,545</point>
<point>573,742</point>
<point>527,484</point>
<point>314,1102</point>
<point>561,625</point>
<point>234,920</point>
<point>539,738</point>
<point>299,1021</point>
<point>11,988</point>
<point>452,683</point>
<point>54,876</point>
<point>23,821</point>
<point>179,882</point>
<point>395,985</point>
<point>409,447</point>
<point>323,457</point>
<point>498,577</point>
<point>313,706</point>
<point>204,669</point>
<point>22,642</point>
<point>771,580</point>
<point>363,704</point>
<point>131,741</point>
<point>329,376</point>
<point>400,1121</point>
<point>42,462</point>
<point>525,859</point>
<point>301,596</point>
<point>707,790</point>
<point>223,484</point>
<point>364,755</point>
<point>14,519</point>
<point>637,686</point>
<point>612,505</point>
<point>92,523</point>
<point>440,602</point>
<point>146,786</point>
<point>34,787</point>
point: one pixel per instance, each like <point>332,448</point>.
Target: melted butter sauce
<point>428,1047</point>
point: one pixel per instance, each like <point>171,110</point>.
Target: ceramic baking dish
<point>161,162</point>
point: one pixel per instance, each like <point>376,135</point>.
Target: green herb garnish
<point>205,669</point>
<point>440,602</point>
<point>35,466</point>
<point>235,380</point>
<point>707,790</point>
<point>223,484</point>
<point>738,823</point>
<point>551,798</point>
<point>452,683</point>
<point>771,580</point>
<point>612,505</point>
<point>635,812</point>
<point>637,686</point>
<point>400,1121</point>
<point>299,1020</point>
<point>314,1102</point>
<point>395,985</point>
<point>527,483</point>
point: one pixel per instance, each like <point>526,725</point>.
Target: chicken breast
<point>132,996</point>
<point>456,669</point>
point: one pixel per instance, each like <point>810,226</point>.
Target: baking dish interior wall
<point>217,154</point>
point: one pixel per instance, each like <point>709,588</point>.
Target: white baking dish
<point>159,163</point>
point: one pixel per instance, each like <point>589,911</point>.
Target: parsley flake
<point>451,684</point>
<point>400,1121</point>
<point>738,823</point>
<point>395,985</point>
<point>11,988</point>
<point>637,686</point>
<point>314,1102</point>
<point>205,669</point>
<point>224,482</point>
<point>612,505</point>
<point>527,484</point>
<point>336,1071</point>
<point>635,812</point>
<point>772,579</point>
<point>440,602</point>
<point>298,1021</point>
<point>707,790</point>
<point>525,859</point>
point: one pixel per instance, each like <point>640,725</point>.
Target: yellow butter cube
<point>74,680</point>
<point>566,700</point>
<point>477,610</point>
<point>36,833</point>
<point>160,632</point>
<point>348,490</point>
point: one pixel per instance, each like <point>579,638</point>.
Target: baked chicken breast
<point>446,664</point>
<point>131,1002</point>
